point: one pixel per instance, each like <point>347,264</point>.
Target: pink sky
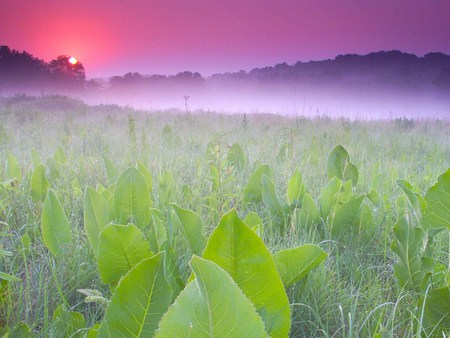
<point>112,37</point>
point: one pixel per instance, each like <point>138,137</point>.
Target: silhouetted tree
<point>19,68</point>
<point>63,70</point>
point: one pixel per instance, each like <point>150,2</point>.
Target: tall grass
<point>353,294</point>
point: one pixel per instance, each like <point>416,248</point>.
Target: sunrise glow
<point>73,61</point>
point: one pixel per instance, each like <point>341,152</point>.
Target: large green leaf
<point>165,188</point>
<point>35,157</point>
<point>60,156</point>
<point>243,255</point>
<point>329,196</point>
<point>139,301</point>
<point>309,213</point>
<point>111,170</point>
<point>437,309</point>
<point>339,165</point>
<point>273,203</point>
<point>158,233</point>
<point>416,201</point>
<point>171,270</point>
<point>212,305</point>
<point>55,227</point>
<point>437,214</point>
<point>344,219</point>
<point>191,226</point>
<point>294,264</point>
<point>254,222</point>
<point>39,184</point>
<point>253,191</point>
<point>252,219</point>
<point>236,157</point>
<point>53,169</point>
<point>214,176</point>
<point>121,247</point>
<point>96,216</point>
<point>132,198</point>
<point>296,190</point>
<point>148,177</point>
<point>364,224</point>
<point>412,268</point>
<point>67,323</point>
<point>12,169</point>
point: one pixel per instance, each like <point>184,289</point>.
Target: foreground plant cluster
<point>160,227</point>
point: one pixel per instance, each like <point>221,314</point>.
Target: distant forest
<point>21,71</point>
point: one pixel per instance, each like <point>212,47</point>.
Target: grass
<point>354,293</point>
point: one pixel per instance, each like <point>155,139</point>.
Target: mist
<point>352,101</point>
<point>381,85</point>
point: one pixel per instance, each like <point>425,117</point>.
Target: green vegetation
<point>119,223</point>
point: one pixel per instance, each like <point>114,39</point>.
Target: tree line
<point>20,69</point>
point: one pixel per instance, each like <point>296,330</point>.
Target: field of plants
<point>116,222</point>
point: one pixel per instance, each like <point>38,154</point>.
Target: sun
<point>73,60</point>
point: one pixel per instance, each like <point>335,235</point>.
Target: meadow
<point>115,222</point>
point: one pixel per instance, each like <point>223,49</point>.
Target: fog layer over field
<point>351,101</point>
<point>379,85</point>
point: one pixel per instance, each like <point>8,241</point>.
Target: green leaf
<point>53,169</point>
<point>67,323</point>
<point>121,247</point>
<point>437,214</point>
<point>344,220</point>
<point>171,270</point>
<point>165,188</point>
<point>309,213</point>
<point>108,194</point>
<point>243,255</point>
<point>296,190</point>
<point>236,157</point>
<point>412,269</point>
<point>20,331</point>
<point>96,216</point>
<point>8,277</point>
<point>191,226</point>
<point>364,222</point>
<point>111,170</point>
<point>254,222</point>
<point>211,306</point>
<point>437,309</point>
<point>12,169</point>
<point>93,331</point>
<point>39,184</point>
<point>329,196</point>
<point>214,177</point>
<point>415,200</point>
<point>55,227</point>
<point>252,219</point>
<point>253,190</point>
<point>374,197</point>
<point>339,165</point>
<point>294,264</point>
<point>148,177</point>
<point>158,234</point>
<point>35,157</point>
<point>132,198</point>
<point>139,301</point>
<point>60,157</point>
<point>273,203</point>
<point>285,152</point>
